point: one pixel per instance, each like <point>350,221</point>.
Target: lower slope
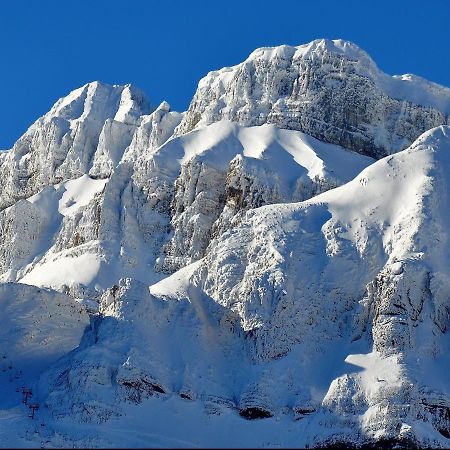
<point>327,317</point>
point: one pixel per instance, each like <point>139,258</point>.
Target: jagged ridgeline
<point>279,251</point>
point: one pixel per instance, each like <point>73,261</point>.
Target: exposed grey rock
<point>20,220</point>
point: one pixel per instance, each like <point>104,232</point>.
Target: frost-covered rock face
<point>227,169</point>
<point>281,271</point>
<point>335,230</point>
<point>161,206</point>
<point>21,219</point>
<point>63,143</point>
<point>399,296</point>
<point>95,133</point>
<point>99,230</point>
<point>138,365</point>
<point>162,209</point>
<point>197,204</point>
<point>155,129</point>
<point>331,90</point>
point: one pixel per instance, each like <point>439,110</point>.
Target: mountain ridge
<point>322,90</point>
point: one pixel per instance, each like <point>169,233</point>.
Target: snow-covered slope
<point>88,233</point>
<point>393,211</point>
<point>37,327</point>
<point>40,218</point>
<point>364,261</point>
<point>331,90</point>
<point>327,317</point>
<point>227,169</point>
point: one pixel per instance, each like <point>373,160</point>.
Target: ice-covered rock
<point>19,220</point>
<point>227,169</point>
<point>121,141</point>
<point>282,272</point>
<point>332,311</point>
<point>63,143</point>
<point>331,90</point>
<point>102,230</point>
<point>162,209</point>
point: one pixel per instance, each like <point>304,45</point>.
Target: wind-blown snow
<point>284,151</point>
<point>65,270</point>
<point>75,194</point>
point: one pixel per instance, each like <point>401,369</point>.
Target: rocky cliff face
<point>62,144</point>
<point>86,132</point>
<point>331,90</point>
<point>165,201</point>
<point>403,313</point>
<point>21,219</point>
<point>227,169</point>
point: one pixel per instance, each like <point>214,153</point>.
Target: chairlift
<point>34,407</point>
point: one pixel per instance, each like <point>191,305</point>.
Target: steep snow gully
<point>269,268</point>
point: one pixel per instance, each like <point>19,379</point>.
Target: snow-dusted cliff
<point>168,277</point>
<point>227,169</point>
<point>159,211</point>
<point>331,90</point>
<point>86,132</point>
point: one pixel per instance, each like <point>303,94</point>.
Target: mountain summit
<point>331,90</point>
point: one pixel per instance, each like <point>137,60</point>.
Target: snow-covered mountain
<point>86,132</point>
<point>180,274</point>
<point>331,90</point>
<point>160,210</point>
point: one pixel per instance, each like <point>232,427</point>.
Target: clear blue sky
<point>48,48</point>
